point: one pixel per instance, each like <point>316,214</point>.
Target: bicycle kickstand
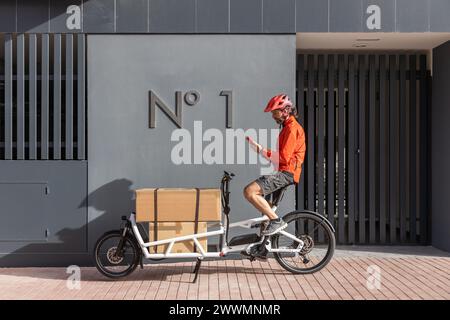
<point>196,269</point>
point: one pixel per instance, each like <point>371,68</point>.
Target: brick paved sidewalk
<point>402,277</point>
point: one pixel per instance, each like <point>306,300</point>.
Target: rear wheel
<point>112,263</point>
<point>318,238</point>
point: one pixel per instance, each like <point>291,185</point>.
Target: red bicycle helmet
<point>280,101</point>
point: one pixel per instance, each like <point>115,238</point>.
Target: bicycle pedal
<point>246,255</point>
<point>249,257</point>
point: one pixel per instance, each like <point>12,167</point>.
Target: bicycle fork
<point>120,246</point>
<point>119,250</point>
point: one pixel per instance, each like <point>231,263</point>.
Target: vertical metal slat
<point>45,98</point>
<point>351,150</point>
<point>423,152</point>
<point>57,97</point>
<point>311,135</point>
<point>320,140</point>
<point>372,151</point>
<point>33,96</point>
<point>393,148</point>
<point>384,151</point>
<point>81,155</point>
<point>310,143</point>
<point>412,148</point>
<point>362,148</point>
<point>341,149</point>
<point>20,120</point>
<point>8,95</point>
<point>331,161</point>
<point>402,147</point>
<point>69,97</point>
<point>301,114</point>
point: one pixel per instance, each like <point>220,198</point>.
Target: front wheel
<point>110,261</point>
<point>318,238</point>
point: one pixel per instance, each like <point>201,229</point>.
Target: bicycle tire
<point>297,215</point>
<point>134,246</point>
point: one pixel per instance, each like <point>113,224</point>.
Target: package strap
<point>197,209</point>
<point>155,224</point>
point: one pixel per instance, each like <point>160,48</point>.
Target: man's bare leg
<point>254,195</point>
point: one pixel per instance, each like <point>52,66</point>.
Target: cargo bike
<point>305,246</point>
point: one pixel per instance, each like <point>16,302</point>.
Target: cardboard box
<point>168,230</point>
<point>178,205</point>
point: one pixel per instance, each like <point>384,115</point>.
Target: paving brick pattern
<point>345,278</point>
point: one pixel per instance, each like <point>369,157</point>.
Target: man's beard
<point>280,120</point>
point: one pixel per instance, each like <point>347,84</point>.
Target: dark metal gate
<point>365,117</point>
<point>42,97</point>
<point>43,160</point>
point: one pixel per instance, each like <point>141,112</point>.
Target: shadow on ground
<point>150,272</point>
<point>389,251</point>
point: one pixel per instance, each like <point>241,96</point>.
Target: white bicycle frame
<point>248,224</point>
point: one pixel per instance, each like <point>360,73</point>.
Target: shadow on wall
<point>74,246</point>
<point>112,200</point>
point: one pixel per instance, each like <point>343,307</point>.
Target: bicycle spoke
<point>113,262</point>
<point>313,252</point>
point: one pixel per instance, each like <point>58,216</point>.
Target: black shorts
<point>273,182</point>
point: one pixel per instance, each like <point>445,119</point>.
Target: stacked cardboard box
<point>176,212</point>
<point>168,230</point>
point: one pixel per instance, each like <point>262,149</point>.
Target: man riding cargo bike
<point>301,241</point>
<point>287,159</point>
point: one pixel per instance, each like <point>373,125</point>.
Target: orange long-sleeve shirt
<point>291,148</point>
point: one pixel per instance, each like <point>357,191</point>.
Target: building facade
<point>102,97</point>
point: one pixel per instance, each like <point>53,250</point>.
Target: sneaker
<point>274,227</point>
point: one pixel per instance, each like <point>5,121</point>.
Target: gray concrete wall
<point>125,154</point>
<point>440,153</point>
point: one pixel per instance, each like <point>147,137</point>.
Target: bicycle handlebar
<point>227,175</point>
